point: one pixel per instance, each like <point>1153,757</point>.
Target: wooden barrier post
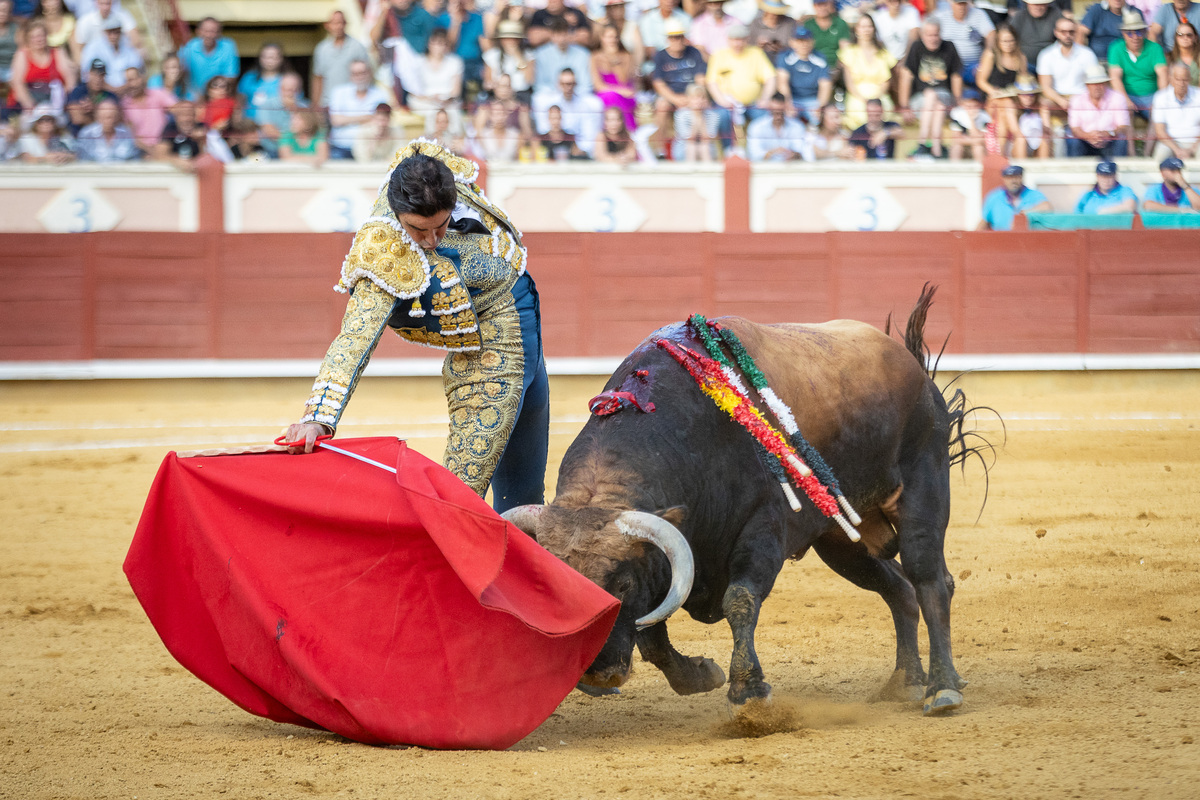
<point>211,176</point>
<point>737,195</point>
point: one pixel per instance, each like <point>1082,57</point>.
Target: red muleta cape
<point>391,609</point>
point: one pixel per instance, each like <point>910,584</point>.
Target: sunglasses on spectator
<point>1185,36</point>
<point>1135,34</point>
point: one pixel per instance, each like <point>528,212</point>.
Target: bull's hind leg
<point>855,564</point>
<point>686,675</point>
<point>922,514</point>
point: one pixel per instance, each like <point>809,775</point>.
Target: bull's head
<point>608,546</point>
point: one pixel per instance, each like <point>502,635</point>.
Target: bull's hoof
<point>704,676</point>
<point>945,701</point>
<point>596,691</point>
<point>899,690</point>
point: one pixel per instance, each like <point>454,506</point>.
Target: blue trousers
<point>520,476</point>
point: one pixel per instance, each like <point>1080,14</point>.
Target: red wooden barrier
<point>213,295</point>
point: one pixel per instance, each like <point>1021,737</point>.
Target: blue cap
<point>1106,168</point>
<point>972,94</point>
<point>1013,169</point>
<point>801,32</point>
<point>1171,163</point>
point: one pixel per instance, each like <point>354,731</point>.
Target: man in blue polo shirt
<point>207,55</point>
<point>1108,196</point>
<point>1174,195</point>
<point>803,75</point>
<point>1014,197</point>
<point>1101,25</point>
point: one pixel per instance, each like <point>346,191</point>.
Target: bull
<point>673,507</point>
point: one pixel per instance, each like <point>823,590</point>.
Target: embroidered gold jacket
<point>385,267</point>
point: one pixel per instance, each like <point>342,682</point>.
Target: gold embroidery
<point>379,252</point>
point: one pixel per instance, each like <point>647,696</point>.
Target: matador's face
<point>427,232</point>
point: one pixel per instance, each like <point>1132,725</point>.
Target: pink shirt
<point>708,34</point>
<point>1113,112</point>
<point>147,115</point>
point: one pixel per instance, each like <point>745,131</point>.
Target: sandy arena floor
<point>1077,622</point>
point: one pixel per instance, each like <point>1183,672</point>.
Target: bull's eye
<point>624,585</point>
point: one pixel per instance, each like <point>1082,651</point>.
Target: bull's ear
<point>674,515</point>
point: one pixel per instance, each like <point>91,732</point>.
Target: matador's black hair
<point>421,185</point>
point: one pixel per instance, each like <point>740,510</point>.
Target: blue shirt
<point>200,67</point>
<point>1093,201</point>
<point>999,209</point>
<point>1155,193</point>
<point>804,74</point>
<point>1105,27</point>
<point>260,93</point>
<point>468,36</point>
<point>415,27</point>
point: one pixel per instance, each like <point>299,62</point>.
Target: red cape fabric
<point>391,609</point>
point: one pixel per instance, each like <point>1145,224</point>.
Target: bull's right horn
<point>525,518</point>
<point>665,536</point>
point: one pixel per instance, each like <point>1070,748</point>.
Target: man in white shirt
<point>351,106</point>
<point>116,53</point>
<point>581,112</point>
<point>778,137</point>
<point>91,26</point>
<point>1176,116</point>
<point>1062,67</point>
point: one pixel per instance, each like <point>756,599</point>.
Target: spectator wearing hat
<point>1098,119</point>
<point>91,25</point>
<point>579,29</point>
<point>968,124</point>
<point>1108,196</point>
<point>1102,25</point>
<point>1169,16</point>
<point>655,23</point>
<point>970,30</point>
<point>930,84</point>
<point>1062,67</point>
<point>828,31</point>
<point>81,101</point>
<point>1137,68</point>
<point>802,76</point>
<point>676,67</point>
<point>876,139</point>
<point>115,51</point>
<point>771,29</point>
<point>107,140</point>
<point>1174,195</point>
<point>1175,113</point>
<point>740,79</point>
<point>1034,25</point>
<point>710,30</point>
<point>897,24</point>
<point>509,56</point>
<point>1027,123</point>
<point>776,136</point>
<point>207,55</point>
<point>47,143</point>
<point>1003,203</point>
<point>558,54</point>
<point>333,56</point>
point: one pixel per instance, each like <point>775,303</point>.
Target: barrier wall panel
<point>42,310</point>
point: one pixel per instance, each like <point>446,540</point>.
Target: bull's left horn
<point>665,536</point>
<point>525,518</point>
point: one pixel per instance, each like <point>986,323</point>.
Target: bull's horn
<point>525,518</point>
<point>665,536</point>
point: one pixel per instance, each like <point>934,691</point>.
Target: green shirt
<point>1138,73</point>
<point>826,42</point>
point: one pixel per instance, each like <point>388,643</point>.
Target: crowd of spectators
<point>617,81</point>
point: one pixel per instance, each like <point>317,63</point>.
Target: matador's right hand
<point>306,432</point>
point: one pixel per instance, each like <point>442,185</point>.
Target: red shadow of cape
<point>325,592</point>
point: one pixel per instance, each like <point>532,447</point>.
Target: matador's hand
<point>306,432</point>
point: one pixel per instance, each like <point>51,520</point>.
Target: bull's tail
<point>965,441</point>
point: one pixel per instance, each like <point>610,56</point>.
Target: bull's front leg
<point>741,604</point>
<point>686,675</point>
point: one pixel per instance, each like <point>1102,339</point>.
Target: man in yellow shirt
<point>741,80</point>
